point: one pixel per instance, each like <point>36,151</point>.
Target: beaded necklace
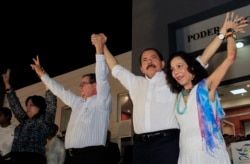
<point>184,92</point>
<point>178,106</point>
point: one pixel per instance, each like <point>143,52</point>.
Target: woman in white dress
<point>198,110</point>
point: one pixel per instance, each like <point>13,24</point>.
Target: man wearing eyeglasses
<point>88,124</point>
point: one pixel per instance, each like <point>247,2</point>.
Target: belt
<point>78,151</point>
<point>153,135</point>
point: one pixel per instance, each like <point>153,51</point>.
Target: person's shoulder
<point>13,126</point>
<point>58,139</point>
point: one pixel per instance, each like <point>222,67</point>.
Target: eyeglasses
<point>82,84</point>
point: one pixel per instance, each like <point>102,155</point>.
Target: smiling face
<point>180,72</point>
<point>151,63</point>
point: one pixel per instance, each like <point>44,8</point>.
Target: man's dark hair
<point>151,49</point>
<point>92,78</point>
<point>6,112</point>
<point>53,130</point>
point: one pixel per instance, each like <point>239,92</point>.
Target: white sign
<point>198,35</point>
<point>241,152</point>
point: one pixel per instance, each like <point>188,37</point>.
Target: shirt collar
<point>157,77</point>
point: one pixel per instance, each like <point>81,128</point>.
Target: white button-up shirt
<point>89,119</point>
<point>153,102</point>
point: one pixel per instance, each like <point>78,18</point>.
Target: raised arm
<point>6,79</point>
<point>37,67</point>
<point>14,102</point>
<point>111,60</point>
<point>101,39</point>
<point>216,77</point>
<point>239,22</point>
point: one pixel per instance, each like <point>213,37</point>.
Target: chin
<point>30,116</point>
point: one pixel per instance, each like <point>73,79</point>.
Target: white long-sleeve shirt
<point>89,119</point>
<point>6,138</point>
<point>55,151</point>
<point>153,102</point>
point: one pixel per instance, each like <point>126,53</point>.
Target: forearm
<point>231,48</point>
<point>67,96</point>
<point>210,50</point>
<point>51,99</point>
<point>7,86</point>
<point>15,105</point>
<point>213,46</point>
<point>103,85</point>
<point>110,59</point>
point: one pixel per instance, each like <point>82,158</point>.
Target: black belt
<point>78,151</point>
<point>153,135</point>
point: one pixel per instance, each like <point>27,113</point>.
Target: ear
<point>163,64</point>
<point>93,86</point>
<point>141,69</point>
<point>193,76</point>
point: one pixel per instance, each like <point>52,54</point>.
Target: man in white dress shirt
<point>89,121</point>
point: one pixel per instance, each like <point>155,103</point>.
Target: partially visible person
<point>6,135</point>
<point>55,150</point>
<point>156,127</point>
<point>113,155</point>
<point>89,121</point>
<point>34,124</point>
<point>240,137</point>
<point>248,137</point>
<point>62,136</point>
<point>228,145</point>
<point>198,109</point>
<point>128,155</point>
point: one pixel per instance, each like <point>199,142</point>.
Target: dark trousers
<point>158,149</point>
<point>28,158</point>
<point>5,161</point>
<point>87,155</point>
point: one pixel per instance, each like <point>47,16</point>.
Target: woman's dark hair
<point>39,102</point>
<point>152,49</point>
<point>194,67</point>
<point>92,78</point>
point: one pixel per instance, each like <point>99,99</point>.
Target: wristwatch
<point>232,35</point>
<point>221,36</point>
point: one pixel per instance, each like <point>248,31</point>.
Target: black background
<point>60,34</point>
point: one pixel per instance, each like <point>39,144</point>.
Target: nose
<point>174,72</point>
<point>150,60</point>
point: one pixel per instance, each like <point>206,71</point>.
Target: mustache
<point>150,65</point>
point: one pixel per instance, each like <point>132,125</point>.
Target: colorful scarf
<point>209,121</point>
